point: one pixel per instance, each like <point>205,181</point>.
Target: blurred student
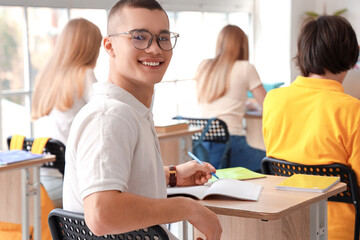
<point>313,121</point>
<point>114,172</point>
<point>222,85</point>
<point>62,88</point>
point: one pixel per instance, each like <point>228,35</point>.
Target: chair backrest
<point>347,175</point>
<point>69,225</point>
<point>217,131</point>
<point>53,147</point>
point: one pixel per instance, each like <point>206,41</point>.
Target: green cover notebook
<point>308,183</point>
<point>239,173</point>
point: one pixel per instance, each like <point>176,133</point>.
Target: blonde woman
<point>222,85</point>
<point>62,88</point>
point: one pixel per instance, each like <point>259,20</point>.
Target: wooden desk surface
<point>273,204</point>
<point>27,163</point>
<point>253,114</point>
<point>177,134</point>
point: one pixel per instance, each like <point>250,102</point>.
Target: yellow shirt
<point>314,122</point>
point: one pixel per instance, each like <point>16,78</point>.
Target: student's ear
<point>108,46</point>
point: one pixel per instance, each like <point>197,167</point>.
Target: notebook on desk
<point>13,156</point>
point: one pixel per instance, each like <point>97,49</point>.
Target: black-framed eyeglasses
<point>142,39</point>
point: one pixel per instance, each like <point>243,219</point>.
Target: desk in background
<point>175,145</point>
<point>253,127</point>
<point>278,214</point>
<point>10,188</point>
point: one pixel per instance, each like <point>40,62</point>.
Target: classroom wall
<point>298,8</point>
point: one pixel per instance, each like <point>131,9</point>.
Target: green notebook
<point>239,173</point>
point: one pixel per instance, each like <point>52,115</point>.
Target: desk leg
<point>25,179</point>
<point>185,146</point>
<point>37,203</point>
<point>318,221</point>
<point>186,231</point>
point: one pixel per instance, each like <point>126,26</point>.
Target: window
<point>29,33</point>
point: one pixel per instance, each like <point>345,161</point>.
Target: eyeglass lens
<point>142,40</point>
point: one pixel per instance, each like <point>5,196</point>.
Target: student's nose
<point>154,47</point>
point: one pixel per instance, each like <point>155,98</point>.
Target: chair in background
<point>69,225</point>
<point>214,130</point>
<point>53,147</point>
<point>279,167</point>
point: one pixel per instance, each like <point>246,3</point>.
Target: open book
<point>223,187</point>
<point>308,183</point>
<point>13,156</point>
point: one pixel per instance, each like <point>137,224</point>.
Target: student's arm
<point>259,94</point>
<point>113,212</point>
<point>191,173</point>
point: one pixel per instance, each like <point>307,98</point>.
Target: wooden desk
<point>10,186</point>
<point>253,127</point>
<point>175,145</point>
<point>278,214</point>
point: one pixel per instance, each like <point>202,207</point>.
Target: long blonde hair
<point>62,78</point>
<point>213,75</point>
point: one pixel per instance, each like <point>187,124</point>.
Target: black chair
<point>214,130</point>
<point>53,147</point>
<point>279,167</point>
<point>66,225</point>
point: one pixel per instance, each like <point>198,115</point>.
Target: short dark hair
<point>147,4</point>
<point>326,43</point>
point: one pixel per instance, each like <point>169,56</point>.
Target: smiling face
<point>131,68</point>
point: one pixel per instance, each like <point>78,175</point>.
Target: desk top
<point>180,133</point>
<point>273,204</point>
<point>27,163</point>
<point>253,114</point>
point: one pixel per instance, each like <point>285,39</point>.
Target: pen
<point>199,161</point>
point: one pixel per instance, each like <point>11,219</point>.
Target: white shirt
<point>112,146</point>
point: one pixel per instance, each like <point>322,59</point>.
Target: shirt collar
<point>316,83</point>
<point>114,91</point>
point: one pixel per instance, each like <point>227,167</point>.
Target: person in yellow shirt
<point>313,121</point>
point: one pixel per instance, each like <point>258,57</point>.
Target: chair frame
<point>216,132</point>
<point>280,167</point>
<point>66,225</point>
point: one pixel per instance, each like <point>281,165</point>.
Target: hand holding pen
<point>200,162</point>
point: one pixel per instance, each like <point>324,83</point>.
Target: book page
<point>195,191</point>
<point>235,188</point>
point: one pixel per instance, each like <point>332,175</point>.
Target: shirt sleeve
<point>253,76</point>
<point>103,156</point>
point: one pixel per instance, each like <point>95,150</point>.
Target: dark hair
<point>326,43</point>
<point>147,4</point>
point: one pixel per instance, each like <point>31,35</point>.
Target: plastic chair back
<point>53,147</point>
<point>279,167</point>
<point>70,225</point>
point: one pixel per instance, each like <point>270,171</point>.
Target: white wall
<point>298,8</point>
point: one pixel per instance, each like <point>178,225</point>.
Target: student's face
<point>140,67</point>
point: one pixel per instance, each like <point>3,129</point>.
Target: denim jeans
<point>241,154</point>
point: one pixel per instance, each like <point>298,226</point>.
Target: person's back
<point>62,88</point>
<point>222,85</point>
<point>313,121</point>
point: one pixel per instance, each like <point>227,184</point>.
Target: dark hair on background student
<point>326,43</point>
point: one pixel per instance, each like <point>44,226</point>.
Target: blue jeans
<point>241,154</point>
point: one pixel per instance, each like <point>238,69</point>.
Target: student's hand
<point>206,222</point>
<point>193,173</point>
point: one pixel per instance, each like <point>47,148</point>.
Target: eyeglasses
<point>142,39</point>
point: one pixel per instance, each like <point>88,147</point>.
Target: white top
<point>112,146</point>
<point>231,107</point>
<point>57,124</point>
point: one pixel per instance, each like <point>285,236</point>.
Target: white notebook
<point>232,188</point>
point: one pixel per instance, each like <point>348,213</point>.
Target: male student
<point>313,121</point>
<point>114,172</point>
